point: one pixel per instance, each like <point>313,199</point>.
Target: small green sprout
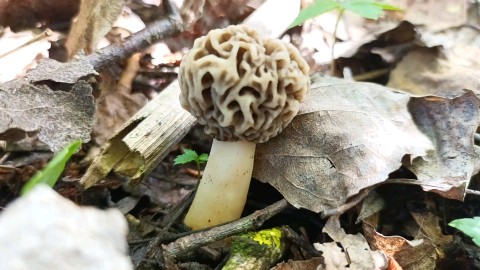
<point>190,155</point>
<point>469,226</point>
<point>50,174</point>
<point>366,8</point>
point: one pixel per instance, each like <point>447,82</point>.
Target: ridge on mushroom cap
<point>241,86</point>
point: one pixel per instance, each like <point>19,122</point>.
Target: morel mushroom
<point>245,90</point>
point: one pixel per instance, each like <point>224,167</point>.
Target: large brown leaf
<point>347,136</point>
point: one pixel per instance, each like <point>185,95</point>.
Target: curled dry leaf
<point>347,136</point>
<point>29,105</point>
<point>415,254</point>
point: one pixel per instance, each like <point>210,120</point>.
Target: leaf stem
<point>333,66</point>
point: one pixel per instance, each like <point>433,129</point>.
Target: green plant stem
<point>199,177</point>
<point>332,67</point>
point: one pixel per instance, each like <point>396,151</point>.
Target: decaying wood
<point>146,139</point>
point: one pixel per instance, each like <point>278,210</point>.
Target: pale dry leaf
<point>450,123</point>
<point>333,256</point>
<point>94,20</point>
<point>16,63</point>
<point>435,15</point>
<point>191,11</point>
<point>428,71</point>
<point>355,252</point>
<point>347,136</point>
<point>130,22</point>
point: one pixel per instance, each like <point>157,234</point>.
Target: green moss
<point>268,237</point>
<point>256,250</point>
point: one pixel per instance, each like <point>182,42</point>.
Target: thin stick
<point>4,157</point>
<point>343,208</point>
<point>166,27</point>
<point>332,67</point>
<point>472,192</point>
<point>204,237</point>
<point>39,37</point>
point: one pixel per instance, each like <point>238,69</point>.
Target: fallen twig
<point>170,25</point>
<point>204,237</point>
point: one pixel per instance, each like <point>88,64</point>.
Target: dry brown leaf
<point>25,14</point>
<point>450,124</point>
<point>29,105</point>
<point>116,106</point>
<point>94,20</point>
<point>427,71</point>
<point>429,224</point>
<point>416,254</point>
<point>348,136</point>
<point>309,264</point>
<point>435,15</point>
<point>201,16</point>
<point>354,254</point>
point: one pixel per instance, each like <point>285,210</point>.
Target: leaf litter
<point>353,135</point>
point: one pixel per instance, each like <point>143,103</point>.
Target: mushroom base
<point>222,192</point>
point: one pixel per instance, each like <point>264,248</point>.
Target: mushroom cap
<point>241,86</point>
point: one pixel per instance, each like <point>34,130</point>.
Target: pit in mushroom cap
<point>241,86</point>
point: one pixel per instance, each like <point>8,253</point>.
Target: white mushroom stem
<point>222,192</point>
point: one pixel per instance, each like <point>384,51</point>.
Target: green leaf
<point>386,6</point>
<point>363,8</point>
<point>187,156</point>
<point>367,8</point>
<point>50,174</point>
<point>316,9</point>
<point>469,226</point>
<point>203,158</point>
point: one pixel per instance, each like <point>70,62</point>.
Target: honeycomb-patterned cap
<point>241,86</point>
